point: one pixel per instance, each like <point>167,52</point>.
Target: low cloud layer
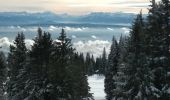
<point>94,47</point>
<point>5,44</point>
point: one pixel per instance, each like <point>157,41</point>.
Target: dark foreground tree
<point>111,70</point>
<point>37,82</point>
<point>3,70</point>
<point>68,75</point>
<point>16,62</point>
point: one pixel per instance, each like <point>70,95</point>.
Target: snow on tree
<point>112,65</point>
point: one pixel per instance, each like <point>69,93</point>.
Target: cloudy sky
<point>74,6</point>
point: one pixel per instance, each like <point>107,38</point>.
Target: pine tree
<point>16,62</point>
<point>62,53</point>
<point>3,70</point>
<point>93,64</point>
<point>80,88</point>
<point>123,45</point>
<point>120,76</point>
<point>37,83</point>
<point>103,67</point>
<point>111,70</point>
<point>139,85</point>
<point>90,64</point>
<point>165,57</point>
<point>97,65</point>
<point>158,44</point>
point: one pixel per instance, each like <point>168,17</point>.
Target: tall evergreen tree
<point>79,79</point>
<point>158,44</point>
<point>165,40</point>
<point>103,67</point>
<point>120,76</point>
<point>113,59</point>
<point>139,85</point>
<point>97,65</point>
<point>16,62</point>
<point>62,53</point>
<point>38,67</point>
<point>90,64</point>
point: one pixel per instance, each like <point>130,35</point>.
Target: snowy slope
<point>97,86</point>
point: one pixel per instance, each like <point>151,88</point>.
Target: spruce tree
<point>113,59</point>
<point>80,88</point>
<point>97,65</point>
<point>16,62</point>
<point>103,67</point>
<point>37,83</point>
<point>139,85</point>
<point>165,57</point>
<point>158,45</point>
<point>120,76</point>
<point>62,53</point>
<point>90,64</point>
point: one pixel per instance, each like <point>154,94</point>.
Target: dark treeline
<point>138,66</point>
<point>102,64</point>
<point>50,70</point>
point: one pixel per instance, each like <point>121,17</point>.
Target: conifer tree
<point>97,65</point>
<point>139,85</point>
<point>90,64</point>
<point>164,7</point>
<point>38,67</point>
<point>80,88</point>
<point>103,67</point>
<point>16,62</point>
<point>120,76</point>
<point>158,44</point>
<point>113,59</point>
<point>62,53</point>
<point>3,70</point>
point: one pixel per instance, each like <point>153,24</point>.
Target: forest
<point>137,67</point>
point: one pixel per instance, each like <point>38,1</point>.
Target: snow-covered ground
<point>97,86</point>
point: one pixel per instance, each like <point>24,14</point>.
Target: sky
<point>76,7</point>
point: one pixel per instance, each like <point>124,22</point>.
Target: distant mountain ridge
<point>45,18</point>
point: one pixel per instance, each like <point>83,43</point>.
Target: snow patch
<point>96,83</point>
